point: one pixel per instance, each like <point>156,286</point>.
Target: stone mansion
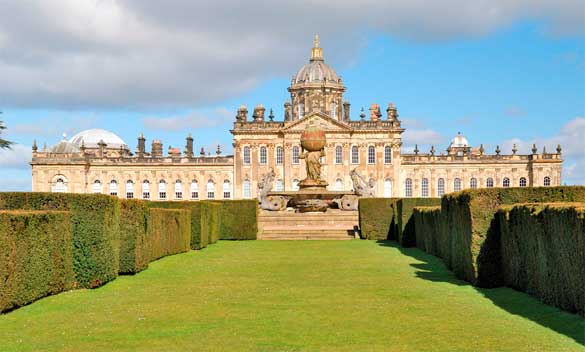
<point>98,161</point>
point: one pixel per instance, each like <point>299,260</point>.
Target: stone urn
<point>313,138</point>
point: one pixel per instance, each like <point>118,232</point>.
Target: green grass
<point>292,296</point>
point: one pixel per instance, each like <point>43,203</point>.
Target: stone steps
<point>331,225</point>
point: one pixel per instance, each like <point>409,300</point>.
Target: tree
<point>4,144</point>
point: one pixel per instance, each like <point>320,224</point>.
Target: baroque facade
<point>98,161</point>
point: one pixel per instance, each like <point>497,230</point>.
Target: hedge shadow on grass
<point>514,302</point>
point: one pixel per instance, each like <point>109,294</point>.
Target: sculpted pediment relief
<point>318,118</point>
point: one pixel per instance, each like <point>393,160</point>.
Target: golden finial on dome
<point>316,52</point>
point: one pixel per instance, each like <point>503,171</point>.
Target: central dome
<point>316,70</point>
<point>91,138</point>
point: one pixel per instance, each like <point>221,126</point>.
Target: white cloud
<point>425,137</point>
<point>191,120</point>
<point>16,158</point>
<point>137,53</point>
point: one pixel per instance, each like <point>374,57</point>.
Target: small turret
<point>392,112</point>
<point>189,146</point>
<point>346,107</point>
<point>259,113</point>
<point>141,146</point>
<point>242,115</point>
<point>375,113</point>
<point>534,149</point>
<point>287,111</point>
<point>157,149</point>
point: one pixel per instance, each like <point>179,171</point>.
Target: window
<point>162,190</point>
<point>246,155</point>
<point>522,182</point>
<point>247,189</point>
<point>227,189</point>
<point>440,187</point>
<point>145,189</point>
<point>489,183</point>
<point>301,110</point>
<point>334,111</point>
<point>355,155</point>
<point>295,185</point>
<point>178,189</point>
<point>457,185</point>
<point>96,187</point>
<point>295,155</point>
<point>425,188</point>
<point>387,155</point>
<point>113,188</point>
<point>371,155</point>
<point>60,185</point>
<point>387,188</point>
<point>279,185</point>
<point>546,181</point>
<point>129,189</point>
<point>263,156</point>
<point>338,155</point>
<point>473,183</point>
<point>408,188</point>
<point>339,184</point>
<point>210,189</point>
<point>279,155</point>
<point>194,190</point>
<point>506,182</point>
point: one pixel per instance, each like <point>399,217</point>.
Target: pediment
<point>327,123</point>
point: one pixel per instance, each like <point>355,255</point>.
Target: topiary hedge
<point>197,241</point>
<point>95,230</point>
<point>239,219</point>
<point>134,216</point>
<point>36,256</point>
<point>405,229</point>
<point>427,224</point>
<point>543,252</point>
<point>168,232</point>
<point>210,220</point>
<point>377,218</point>
<point>473,229</point>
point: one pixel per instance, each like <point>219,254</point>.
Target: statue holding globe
<point>313,148</point>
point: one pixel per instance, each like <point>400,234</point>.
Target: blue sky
<point>518,83</point>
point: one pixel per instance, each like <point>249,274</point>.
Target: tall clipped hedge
<point>95,229</point>
<point>134,216</point>
<point>377,218</point>
<point>428,227</point>
<point>473,229</point>
<point>239,219</point>
<point>210,220</point>
<point>403,209</point>
<point>36,256</point>
<point>197,240</point>
<point>543,252</point>
<point>168,232</point>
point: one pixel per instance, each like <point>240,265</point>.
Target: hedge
<point>36,256</point>
<point>377,218</point>
<point>239,219</point>
<point>95,230</point>
<point>473,229</point>
<point>210,220</point>
<point>543,252</point>
<point>134,216</point>
<point>428,224</point>
<point>168,232</point>
<point>197,240</point>
<point>403,208</point>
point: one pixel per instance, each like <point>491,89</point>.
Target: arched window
<point>295,155</point>
<point>387,155</point>
<point>334,111</point>
<point>194,190</point>
<point>60,185</point>
<point>129,189</point>
<point>440,187</point>
<point>247,189</point>
<point>546,181</point>
<point>457,185</point>
<point>473,183</point>
<point>355,155</point>
<point>279,155</point>
<point>263,156</point>
<point>338,155</point>
<point>295,185</point>
<point>489,183</point>
<point>339,184</point>
<point>246,156</point>
<point>408,188</point>
<point>145,189</point>
<point>96,187</point>
<point>522,182</point>
<point>162,190</point>
<point>387,188</point>
<point>371,155</point>
<point>227,189</point>
<point>279,185</point>
<point>113,188</point>
<point>210,189</point>
<point>425,188</point>
<point>506,182</point>
<point>301,110</point>
<point>178,189</point>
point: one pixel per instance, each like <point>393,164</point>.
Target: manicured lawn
<point>292,296</point>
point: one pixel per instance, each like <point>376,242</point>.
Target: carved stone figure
<point>270,202</point>
<point>361,187</point>
<point>313,164</point>
<point>375,112</point>
<point>259,113</point>
<point>313,141</point>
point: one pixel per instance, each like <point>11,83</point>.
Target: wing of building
<point>98,161</point>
